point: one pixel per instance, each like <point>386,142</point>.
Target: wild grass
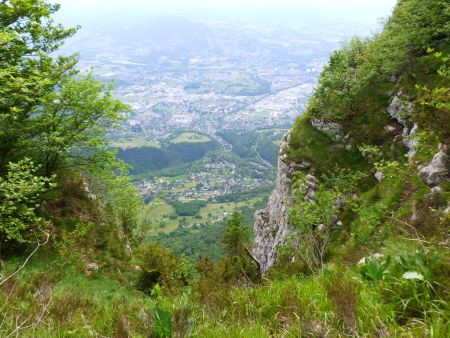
<point>319,149</point>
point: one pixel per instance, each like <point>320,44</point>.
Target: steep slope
<point>381,110</point>
<point>271,227</point>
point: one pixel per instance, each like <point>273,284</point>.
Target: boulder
<point>92,267</point>
<point>379,176</point>
<point>437,170</point>
<point>398,109</point>
<point>389,128</point>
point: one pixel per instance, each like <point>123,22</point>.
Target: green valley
<point>245,178</point>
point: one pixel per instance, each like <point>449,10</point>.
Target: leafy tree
<point>54,116</point>
<point>72,122</point>
<point>360,66</point>
<point>434,112</point>
<point>28,37</point>
<point>20,191</point>
<point>313,221</point>
<point>314,216</point>
<point>414,26</point>
<point>47,111</point>
<point>124,200</point>
<point>340,82</point>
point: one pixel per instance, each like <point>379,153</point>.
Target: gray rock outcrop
<point>92,267</point>
<point>271,225</point>
<point>334,130</point>
<point>326,126</point>
<point>398,110</point>
<point>438,169</point>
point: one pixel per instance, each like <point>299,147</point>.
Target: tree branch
<point>258,264</point>
<point>27,259</point>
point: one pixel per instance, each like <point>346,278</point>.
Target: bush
<point>412,285</point>
<point>20,193</point>
<point>161,266</point>
<point>409,282</point>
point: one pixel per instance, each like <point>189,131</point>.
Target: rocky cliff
<point>271,225</point>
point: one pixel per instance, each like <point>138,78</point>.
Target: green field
<point>159,212</point>
<point>133,143</point>
<point>190,138</point>
<point>243,85</point>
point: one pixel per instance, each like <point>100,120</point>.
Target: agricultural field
<point>190,138</point>
<point>133,143</point>
<point>161,217</point>
<point>240,86</point>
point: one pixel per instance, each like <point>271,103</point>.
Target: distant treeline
<point>195,242</point>
<point>205,239</point>
<point>244,196</point>
<point>190,208</point>
<point>248,144</point>
<point>144,159</point>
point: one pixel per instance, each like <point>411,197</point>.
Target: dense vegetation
<point>204,239</point>
<point>375,239</point>
<point>370,255</point>
<point>145,159</point>
<point>251,144</point>
<point>190,208</point>
<point>196,242</point>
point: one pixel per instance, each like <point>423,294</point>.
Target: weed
<point>344,294</point>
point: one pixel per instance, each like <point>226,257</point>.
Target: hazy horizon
<point>358,17</point>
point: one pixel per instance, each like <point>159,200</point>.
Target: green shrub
<point>408,283</point>
<point>20,193</point>
<point>160,266</point>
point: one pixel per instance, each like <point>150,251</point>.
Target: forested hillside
<point>145,159</point>
<point>365,243</point>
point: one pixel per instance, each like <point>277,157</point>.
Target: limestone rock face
<point>438,169</point>
<point>332,129</point>
<point>396,109</point>
<point>271,225</point>
<point>398,106</point>
<point>326,126</point>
